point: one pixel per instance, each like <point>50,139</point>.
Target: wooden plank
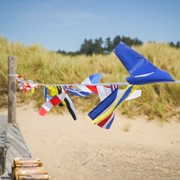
<point>3,124</point>
<point>17,140</point>
<point>17,148</point>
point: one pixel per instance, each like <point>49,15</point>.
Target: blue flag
<point>141,70</point>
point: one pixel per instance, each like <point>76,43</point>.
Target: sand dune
<point>78,150</point>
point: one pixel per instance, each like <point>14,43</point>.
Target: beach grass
<point>158,101</point>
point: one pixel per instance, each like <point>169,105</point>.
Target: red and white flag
<point>46,107</point>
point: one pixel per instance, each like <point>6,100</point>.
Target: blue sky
<point>64,24</point>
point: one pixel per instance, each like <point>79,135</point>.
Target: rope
<point>95,84</point>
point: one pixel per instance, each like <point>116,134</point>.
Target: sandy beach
<point>78,150</point>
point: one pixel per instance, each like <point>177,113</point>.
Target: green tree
<point>116,41</point>
<point>178,44</point>
<point>98,49</point>
<point>87,47</point>
<point>108,44</point>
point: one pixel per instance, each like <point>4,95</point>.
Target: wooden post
<point>11,89</point>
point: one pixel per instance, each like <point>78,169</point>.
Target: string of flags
<point>141,72</point>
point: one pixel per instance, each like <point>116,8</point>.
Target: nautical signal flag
<point>105,108</point>
<point>141,70</point>
<point>46,107</point>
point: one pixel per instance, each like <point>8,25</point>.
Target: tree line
<point>176,45</point>
<point>100,46</point>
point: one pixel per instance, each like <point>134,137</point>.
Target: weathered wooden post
<point>11,89</point>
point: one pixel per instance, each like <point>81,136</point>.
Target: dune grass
<point>160,101</point>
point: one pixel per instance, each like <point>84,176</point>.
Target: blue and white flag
<point>141,70</point>
<point>84,91</point>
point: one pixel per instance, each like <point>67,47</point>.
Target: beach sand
<point>78,150</point>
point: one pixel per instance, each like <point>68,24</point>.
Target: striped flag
<point>46,107</point>
<point>84,91</point>
<point>103,92</point>
<point>55,90</point>
<point>104,105</point>
<point>76,91</point>
<point>107,122</point>
<point>108,105</point>
<point>92,79</point>
<point>69,104</point>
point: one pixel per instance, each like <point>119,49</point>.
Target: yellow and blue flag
<point>106,108</point>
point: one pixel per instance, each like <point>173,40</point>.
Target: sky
<point>65,24</point>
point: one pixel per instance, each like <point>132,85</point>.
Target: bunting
<point>26,84</point>
<point>141,72</point>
